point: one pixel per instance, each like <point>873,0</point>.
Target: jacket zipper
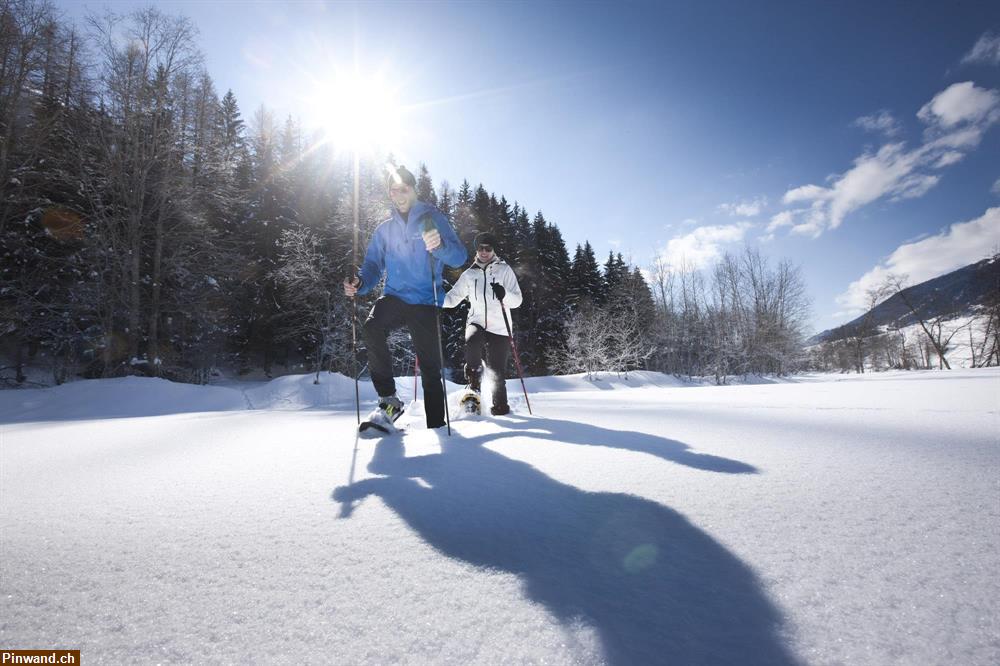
<point>486,303</point>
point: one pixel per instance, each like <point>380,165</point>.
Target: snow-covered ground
<point>823,520</point>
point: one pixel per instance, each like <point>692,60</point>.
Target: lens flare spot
<point>641,558</point>
<point>63,224</point>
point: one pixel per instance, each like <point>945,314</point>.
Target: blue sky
<point>854,138</point>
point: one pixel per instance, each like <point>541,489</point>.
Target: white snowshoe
<point>382,420</point>
<point>471,403</point>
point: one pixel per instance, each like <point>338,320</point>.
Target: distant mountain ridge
<point>952,294</point>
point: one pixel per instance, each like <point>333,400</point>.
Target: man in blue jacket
<point>400,248</point>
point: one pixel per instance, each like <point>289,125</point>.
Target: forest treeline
<point>148,227</point>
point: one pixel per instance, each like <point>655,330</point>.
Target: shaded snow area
<point>823,520</point>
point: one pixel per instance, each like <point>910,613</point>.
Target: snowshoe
<point>471,403</point>
<point>382,420</point>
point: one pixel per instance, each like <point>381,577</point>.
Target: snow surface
<point>827,520</point>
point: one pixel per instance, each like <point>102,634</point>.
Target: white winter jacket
<point>474,285</point>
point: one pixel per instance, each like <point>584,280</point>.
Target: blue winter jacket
<point>397,247</point>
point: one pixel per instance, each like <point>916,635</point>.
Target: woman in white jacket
<point>489,285</point>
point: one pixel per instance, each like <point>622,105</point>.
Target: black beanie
<point>486,238</point>
<point>399,174</point>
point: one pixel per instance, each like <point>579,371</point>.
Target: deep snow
<point>822,520</point>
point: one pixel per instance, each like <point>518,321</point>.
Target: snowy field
<point>824,520</point>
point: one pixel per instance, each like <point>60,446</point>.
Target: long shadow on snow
<point>585,434</point>
<point>656,588</point>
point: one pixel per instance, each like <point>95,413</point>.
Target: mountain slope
<point>951,295</point>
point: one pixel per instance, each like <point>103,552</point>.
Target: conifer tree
<point>585,283</point>
<point>547,269</point>
<point>446,201</point>
<point>425,187</point>
<point>482,211</point>
<point>464,216</point>
<point>503,227</point>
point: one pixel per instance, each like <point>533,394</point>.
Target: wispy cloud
<point>986,51</point>
<point>955,119</point>
<point>747,208</point>
<point>960,103</point>
<point>961,244</point>
<point>881,122</point>
<point>996,188</point>
<point>785,218</point>
<point>703,245</point>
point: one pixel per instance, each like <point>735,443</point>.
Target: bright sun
<point>356,112</point>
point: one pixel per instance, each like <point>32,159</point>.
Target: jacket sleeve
<point>459,292</point>
<point>451,251</point>
<point>374,263</point>
<point>513,297</point>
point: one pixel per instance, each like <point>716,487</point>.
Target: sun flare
<point>356,112</point>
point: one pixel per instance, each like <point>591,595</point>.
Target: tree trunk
<point>153,345</point>
<point>135,292</point>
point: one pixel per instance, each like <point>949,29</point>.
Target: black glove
<point>498,290</point>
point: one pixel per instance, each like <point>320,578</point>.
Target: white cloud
<point>948,158</point>
<point>811,229</point>
<point>986,50</point>
<point>957,119</point>
<point>915,186</point>
<point>882,122</point>
<point>785,218</point>
<point>965,138</point>
<point>961,244</point>
<point>806,193</point>
<point>996,188</point>
<point>703,245</point>
<point>873,176</point>
<point>959,103</point>
<point>751,208</point>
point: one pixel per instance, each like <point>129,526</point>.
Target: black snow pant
<point>390,313</point>
<point>478,341</point>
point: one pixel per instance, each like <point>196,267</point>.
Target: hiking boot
<point>472,375</point>
<point>391,406</point>
<point>500,410</point>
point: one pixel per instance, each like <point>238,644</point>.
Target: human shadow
<point>585,434</point>
<point>654,587</point>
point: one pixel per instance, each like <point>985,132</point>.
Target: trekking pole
<point>517,361</point>
<point>354,353</point>
<point>429,226</point>
<point>416,371</point>
<point>354,299</point>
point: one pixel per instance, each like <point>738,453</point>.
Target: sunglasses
<point>485,248</point>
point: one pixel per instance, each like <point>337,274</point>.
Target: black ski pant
<point>478,341</point>
<point>390,313</point>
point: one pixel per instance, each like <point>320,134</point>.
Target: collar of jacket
<point>416,211</point>
<point>481,266</point>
